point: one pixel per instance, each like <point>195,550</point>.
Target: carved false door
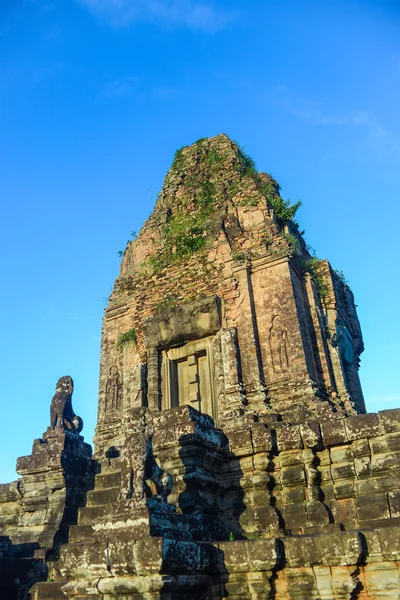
<point>187,374</point>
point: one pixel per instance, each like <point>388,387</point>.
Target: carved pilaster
<point>228,385</point>
<point>249,343</point>
<point>153,379</point>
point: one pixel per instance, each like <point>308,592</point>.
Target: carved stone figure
<point>344,341</point>
<point>61,411</point>
<point>113,390</point>
<point>279,345</point>
<point>139,468</point>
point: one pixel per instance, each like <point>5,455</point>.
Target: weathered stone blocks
<point>233,456</point>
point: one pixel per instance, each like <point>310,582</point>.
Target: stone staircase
<point>104,494</point>
<point>82,535</point>
<point>143,549</point>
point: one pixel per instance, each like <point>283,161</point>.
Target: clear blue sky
<point>96,95</point>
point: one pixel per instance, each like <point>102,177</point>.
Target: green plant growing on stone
<point>128,336</point>
<point>123,284</point>
<point>233,188</point>
<point>243,154</point>
<point>340,275</point>
<point>250,172</point>
<point>177,163</point>
<point>239,256</point>
<point>214,157</point>
<point>205,198</point>
<point>293,242</point>
<point>184,234</point>
<point>266,239</point>
<point>167,302</point>
<point>310,249</point>
<point>249,201</point>
<point>271,176</point>
<point>231,537</point>
<point>157,262</point>
<point>133,237</point>
<point>283,209</point>
<point>246,164</point>
<point>312,267</point>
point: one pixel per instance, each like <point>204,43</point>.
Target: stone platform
<point>296,511</point>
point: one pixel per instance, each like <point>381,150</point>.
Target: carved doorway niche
<point>188,376</point>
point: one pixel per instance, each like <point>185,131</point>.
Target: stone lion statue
<point>61,411</point>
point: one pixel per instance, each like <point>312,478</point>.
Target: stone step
<point>102,497</point>
<point>83,560</point>
<point>48,590</point>
<point>107,480</point>
<point>80,533</point>
<point>91,514</point>
<point>135,529</point>
<point>109,466</point>
<point>128,554</point>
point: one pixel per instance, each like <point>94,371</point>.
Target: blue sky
<point>96,96</point>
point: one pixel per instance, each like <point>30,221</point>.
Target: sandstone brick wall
<point>255,263</point>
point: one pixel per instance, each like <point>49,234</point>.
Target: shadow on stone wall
<point>19,570</point>
<point>210,507</point>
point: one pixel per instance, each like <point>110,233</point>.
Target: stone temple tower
<point>233,455</point>
<point>220,306</point>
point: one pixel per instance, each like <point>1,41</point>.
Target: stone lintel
<point>183,323</point>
